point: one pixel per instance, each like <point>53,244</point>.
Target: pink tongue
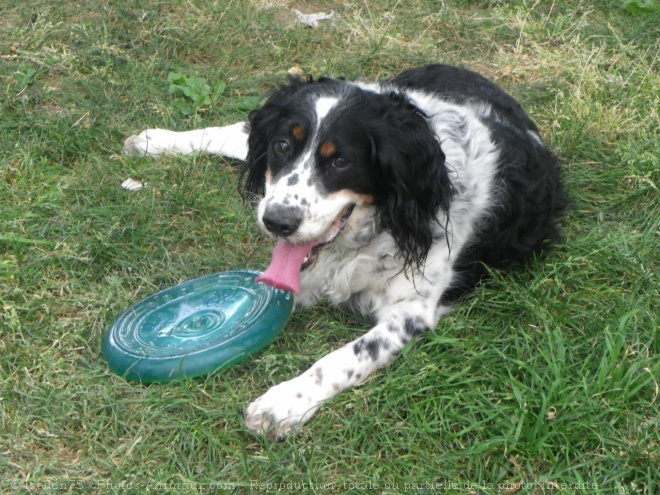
<point>284,270</point>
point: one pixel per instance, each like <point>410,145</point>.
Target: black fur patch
<point>415,326</point>
<point>370,347</point>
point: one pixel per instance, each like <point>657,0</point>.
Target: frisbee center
<point>196,325</point>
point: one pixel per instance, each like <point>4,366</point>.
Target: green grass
<point>545,381</point>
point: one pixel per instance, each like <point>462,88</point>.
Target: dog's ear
<point>263,123</point>
<point>412,164</point>
<point>253,172</point>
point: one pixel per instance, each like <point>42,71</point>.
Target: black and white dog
<point>387,198</point>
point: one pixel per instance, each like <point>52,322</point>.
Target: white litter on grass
<point>132,185</point>
<point>312,20</point>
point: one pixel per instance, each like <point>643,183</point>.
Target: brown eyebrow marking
<point>328,149</point>
<point>359,198</point>
<point>298,133</point>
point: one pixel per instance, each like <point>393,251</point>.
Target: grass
<point>544,381</point>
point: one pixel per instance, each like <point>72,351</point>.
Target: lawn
<point>545,380</point>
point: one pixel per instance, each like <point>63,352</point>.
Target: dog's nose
<point>282,220</point>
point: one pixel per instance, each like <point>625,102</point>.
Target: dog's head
<point>319,151</point>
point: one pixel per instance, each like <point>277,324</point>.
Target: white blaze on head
<point>302,168</point>
<point>323,107</point>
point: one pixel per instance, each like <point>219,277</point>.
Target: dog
<point>392,199</point>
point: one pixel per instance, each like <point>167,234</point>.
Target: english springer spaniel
<point>389,199</point>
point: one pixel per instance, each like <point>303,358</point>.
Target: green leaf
<point>188,92</point>
<point>248,103</point>
<point>219,89</point>
<point>25,77</point>
<point>183,106</point>
<point>175,90</point>
<point>176,78</point>
<point>641,6</point>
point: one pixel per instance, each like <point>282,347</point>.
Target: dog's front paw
<point>150,142</point>
<point>282,410</point>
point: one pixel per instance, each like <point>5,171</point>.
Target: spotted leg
<point>284,408</point>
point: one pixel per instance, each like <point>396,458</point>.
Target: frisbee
<point>196,327</point>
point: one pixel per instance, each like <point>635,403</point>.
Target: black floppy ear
<point>253,172</point>
<point>418,187</point>
<point>263,122</point>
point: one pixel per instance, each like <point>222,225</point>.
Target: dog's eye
<point>340,163</point>
<point>282,147</point>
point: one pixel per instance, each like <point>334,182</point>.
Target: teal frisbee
<point>196,327</point>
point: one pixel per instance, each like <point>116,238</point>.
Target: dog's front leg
<point>229,141</point>
<point>286,407</point>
